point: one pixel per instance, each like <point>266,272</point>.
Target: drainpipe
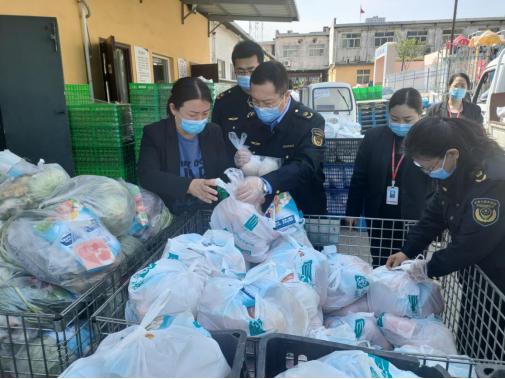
<point>85,14</point>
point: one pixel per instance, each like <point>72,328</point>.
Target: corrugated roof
<point>248,10</point>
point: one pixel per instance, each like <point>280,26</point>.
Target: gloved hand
<point>251,191</point>
<point>396,259</point>
<point>242,157</point>
<point>418,270</point>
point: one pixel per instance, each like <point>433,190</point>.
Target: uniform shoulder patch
<point>317,137</point>
<point>485,211</point>
<point>222,94</point>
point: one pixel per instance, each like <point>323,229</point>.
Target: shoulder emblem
<point>232,118</point>
<point>485,211</point>
<point>308,115</point>
<point>251,114</point>
<point>222,94</point>
<point>317,137</point>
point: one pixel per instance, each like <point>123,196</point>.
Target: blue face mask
<point>268,115</point>
<point>244,82</point>
<point>193,126</point>
<point>457,93</point>
<point>441,173</point>
<point>400,130</point>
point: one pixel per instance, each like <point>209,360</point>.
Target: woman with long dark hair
<point>386,184</point>
<point>181,156</point>
<point>456,104</point>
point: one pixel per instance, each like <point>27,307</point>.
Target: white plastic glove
<point>251,191</point>
<point>418,270</point>
<point>242,157</point>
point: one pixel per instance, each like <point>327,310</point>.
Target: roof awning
<point>247,10</point>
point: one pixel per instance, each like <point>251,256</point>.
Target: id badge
<point>392,195</point>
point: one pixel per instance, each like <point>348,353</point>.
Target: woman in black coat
<point>455,106</point>
<point>182,155</point>
<point>386,184</point>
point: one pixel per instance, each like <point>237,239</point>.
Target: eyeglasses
<point>267,104</point>
<point>244,72</point>
<point>430,170</point>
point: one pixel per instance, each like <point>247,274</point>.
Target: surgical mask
<point>400,130</point>
<point>244,82</point>
<point>268,115</point>
<point>441,173</point>
<point>457,93</point>
<point>193,126</point>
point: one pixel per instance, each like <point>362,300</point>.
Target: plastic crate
<point>115,114</point>
<point>278,352</point>
<point>77,94</point>
<point>338,175</point>
<point>476,335</point>
<point>336,201</point>
<point>44,345</point>
<point>341,150</point>
<point>144,94</point>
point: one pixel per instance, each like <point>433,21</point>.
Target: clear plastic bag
<point>258,165</point>
<point>258,304</point>
<point>253,232</point>
<point>107,198</point>
<point>65,245</point>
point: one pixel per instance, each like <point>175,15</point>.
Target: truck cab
<point>331,100</point>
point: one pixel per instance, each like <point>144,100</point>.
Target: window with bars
<point>420,35</point>
<point>382,37</point>
<point>351,40</point>
<point>290,51</point>
<point>316,50</point>
<point>363,76</point>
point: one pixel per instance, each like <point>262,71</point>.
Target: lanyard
<point>395,169</point>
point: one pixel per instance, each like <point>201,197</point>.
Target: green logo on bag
<point>256,327</point>
<point>172,256</point>
<point>361,282</point>
<point>359,325</point>
<point>380,321</point>
<point>222,193</point>
<point>413,303</point>
<point>383,365</point>
<point>251,223</point>
<point>138,278</point>
<point>306,274</point>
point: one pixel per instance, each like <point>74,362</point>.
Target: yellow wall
<point>348,73</point>
<point>151,24</point>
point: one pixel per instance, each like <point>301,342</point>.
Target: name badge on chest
<point>392,195</point>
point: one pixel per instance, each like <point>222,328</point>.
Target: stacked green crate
<point>102,140</point>
<point>145,105</point>
<point>164,93</point>
<point>77,94</point>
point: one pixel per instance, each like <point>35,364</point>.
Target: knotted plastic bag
<point>258,165</point>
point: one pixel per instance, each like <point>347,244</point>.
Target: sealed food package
<point>364,326</point>
<point>349,279</point>
<point>107,198</point>
<point>393,291</point>
<point>348,364</point>
<point>65,245</point>
<point>151,216</point>
<point>252,231</point>
<point>215,250</point>
<point>258,304</point>
<point>258,165</point>
<point>27,294</point>
<point>429,331</point>
<point>184,284</point>
<point>161,346</point>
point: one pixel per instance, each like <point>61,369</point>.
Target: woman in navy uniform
<point>469,168</point>
<point>281,127</point>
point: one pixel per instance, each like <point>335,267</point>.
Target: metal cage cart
<point>44,345</point>
<point>478,337</point>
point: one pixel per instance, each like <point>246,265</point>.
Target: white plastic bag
<point>339,333</point>
<point>12,165</point>
<point>252,231</point>
<point>307,264</point>
<point>173,347</point>
<point>340,126</point>
<point>430,332</point>
<point>364,326</point>
<point>66,245</point>
<point>393,291</point>
<point>258,304</point>
<point>166,275</point>
<point>349,279</point>
<point>258,165</point>
<point>312,369</point>
<point>357,364</point>
<point>106,197</point>
<point>215,250</point>
<point>358,306</point>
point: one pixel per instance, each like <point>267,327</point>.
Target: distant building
<point>305,55</point>
<point>352,46</point>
